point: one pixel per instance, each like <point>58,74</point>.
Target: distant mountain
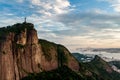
<point>102,68</point>
<point>108,50</point>
<point>99,67</point>
<point>82,58</point>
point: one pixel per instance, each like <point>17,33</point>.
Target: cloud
<point>49,7</point>
<point>90,28</point>
<point>115,4</point>
<point>87,22</point>
<point>9,19</point>
<point>56,21</point>
<point>20,1</point>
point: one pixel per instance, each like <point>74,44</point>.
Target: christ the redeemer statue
<point>25,19</point>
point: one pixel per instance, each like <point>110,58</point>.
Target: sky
<point>73,23</point>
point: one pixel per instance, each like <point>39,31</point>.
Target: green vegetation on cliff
<point>116,63</point>
<point>62,73</point>
<point>16,28</point>
<point>100,67</point>
<point>47,47</point>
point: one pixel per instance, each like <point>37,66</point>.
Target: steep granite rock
<point>21,53</point>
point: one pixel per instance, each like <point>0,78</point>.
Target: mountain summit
<point>21,53</point>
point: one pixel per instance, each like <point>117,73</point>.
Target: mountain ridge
<point>100,67</point>
<point>21,52</point>
<point>23,55</point>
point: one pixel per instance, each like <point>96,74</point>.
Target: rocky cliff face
<point>21,53</point>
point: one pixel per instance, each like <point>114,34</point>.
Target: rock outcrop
<point>21,53</point>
